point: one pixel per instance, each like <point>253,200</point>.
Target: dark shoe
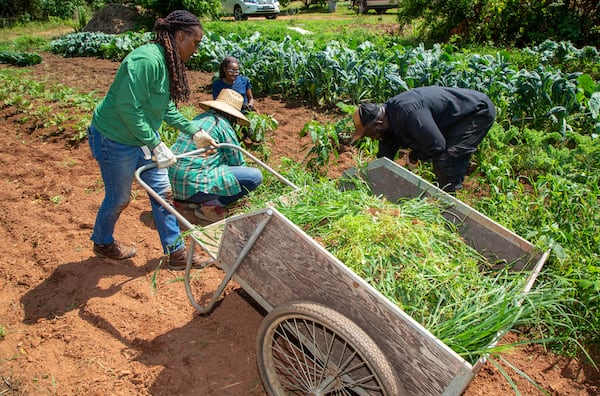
<point>114,251</point>
<point>178,260</point>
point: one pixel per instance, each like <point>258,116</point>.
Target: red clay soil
<point>77,324</point>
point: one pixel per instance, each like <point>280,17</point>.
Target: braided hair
<point>165,28</point>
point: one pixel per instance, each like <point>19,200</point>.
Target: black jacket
<point>435,120</point>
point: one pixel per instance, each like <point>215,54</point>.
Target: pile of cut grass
<point>411,254</point>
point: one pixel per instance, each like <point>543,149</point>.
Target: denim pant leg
<point>249,179</point>
<point>166,223</point>
<point>118,163</point>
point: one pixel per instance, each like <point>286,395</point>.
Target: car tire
<point>271,16</point>
<point>362,7</point>
<point>238,14</point>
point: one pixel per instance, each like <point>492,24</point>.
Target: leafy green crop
<point>80,44</point>
<point>349,72</point>
<point>19,58</point>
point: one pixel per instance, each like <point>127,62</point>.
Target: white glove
<point>203,139</point>
<point>163,156</point>
<point>147,153</point>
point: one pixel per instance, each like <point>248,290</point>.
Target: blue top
<point>241,85</point>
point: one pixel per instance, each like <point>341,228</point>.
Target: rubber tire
<point>362,7</point>
<point>238,14</point>
<point>272,344</point>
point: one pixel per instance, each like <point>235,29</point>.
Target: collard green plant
<point>327,73</point>
<point>81,44</point>
<point>122,44</point>
<point>19,58</point>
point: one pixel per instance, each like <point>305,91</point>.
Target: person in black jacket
<point>441,124</point>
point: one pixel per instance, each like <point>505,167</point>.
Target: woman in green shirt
<point>149,83</point>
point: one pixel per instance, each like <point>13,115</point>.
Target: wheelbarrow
<point>327,331</point>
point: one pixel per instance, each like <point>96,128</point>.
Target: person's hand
<point>203,140</point>
<point>163,156</point>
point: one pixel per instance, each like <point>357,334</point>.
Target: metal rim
<point>238,15</point>
<point>308,349</point>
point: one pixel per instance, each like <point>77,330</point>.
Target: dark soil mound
<point>114,19</point>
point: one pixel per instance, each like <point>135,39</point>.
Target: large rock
<point>114,19</point>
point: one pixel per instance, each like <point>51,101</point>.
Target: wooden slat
<point>287,265</point>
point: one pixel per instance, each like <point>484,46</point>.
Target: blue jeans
<point>249,179</point>
<point>118,163</point>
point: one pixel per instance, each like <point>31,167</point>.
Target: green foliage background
<point>511,22</point>
<point>506,22</point>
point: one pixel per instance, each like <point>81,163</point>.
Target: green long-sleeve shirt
<point>138,101</point>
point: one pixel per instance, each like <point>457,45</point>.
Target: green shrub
<point>509,22</point>
<point>19,58</point>
<point>32,10</point>
<point>210,8</point>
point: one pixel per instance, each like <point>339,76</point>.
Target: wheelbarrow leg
<point>228,275</point>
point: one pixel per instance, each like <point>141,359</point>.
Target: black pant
<point>462,139</point>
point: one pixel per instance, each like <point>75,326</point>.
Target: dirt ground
<point>80,325</point>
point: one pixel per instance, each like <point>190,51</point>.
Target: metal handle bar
<point>189,226</point>
<point>196,153</point>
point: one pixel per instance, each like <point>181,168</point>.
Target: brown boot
<point>114,251</point>
<point>178,260</point>
<point>211,213</point>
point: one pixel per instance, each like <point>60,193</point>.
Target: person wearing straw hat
<point>230,78</point>
<point>215,181</point>
<point>441,124</point>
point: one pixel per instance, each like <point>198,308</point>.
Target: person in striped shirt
<point>214,181</point>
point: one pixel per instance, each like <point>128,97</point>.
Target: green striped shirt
<point>210,175</point>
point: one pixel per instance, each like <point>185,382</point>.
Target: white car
<point>242,9</point>
<point>380,6</point>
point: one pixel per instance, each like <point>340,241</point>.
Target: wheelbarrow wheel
<point>306,348</point>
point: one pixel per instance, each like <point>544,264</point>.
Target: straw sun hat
<point>229,102</point>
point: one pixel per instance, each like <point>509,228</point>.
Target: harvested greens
<point>411,254</point>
